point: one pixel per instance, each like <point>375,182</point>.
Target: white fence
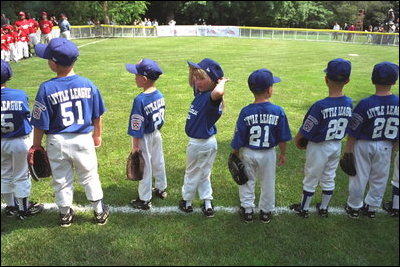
<point>390,39</point>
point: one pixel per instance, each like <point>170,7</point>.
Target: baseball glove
<point>135,166</point>
<point>302,143</point>
<point>38,163</point>
<point>347,164</point>
<point>236,168</point>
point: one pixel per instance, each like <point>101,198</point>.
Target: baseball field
<point>165,236</point>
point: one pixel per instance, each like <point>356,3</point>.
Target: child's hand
<point>223,80</point>
<point>281,159</point>
<point>97,141</point>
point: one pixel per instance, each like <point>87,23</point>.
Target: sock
<point>64,210</point>
<point>326,199</point>
<point>306,200</point>
<point>207,204</point>
<point>9,199</point>
<point>22,204</point>
<point>98,206</point>
<point>248,210</point>
<point>188,203</point>
<point>395,198</point>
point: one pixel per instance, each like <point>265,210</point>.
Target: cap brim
<point>197,66</point>
<point>131,68</point>
<point>40,50</point>
<point>277,80</point>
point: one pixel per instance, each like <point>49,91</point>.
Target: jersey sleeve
<point>42,111</point>
<point>136,119</point>
<point>240,136</point>
<point>98,104</point>
<point>283,133</point>
<point>357,120</point>
<point>311,121</point>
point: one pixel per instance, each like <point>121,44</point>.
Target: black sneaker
<point>365,211</point>
<point>160,193</point>
<point>321,212</point>
<point>246,217</point>
<point>182,206</point>
<point>209,213</point>
<point>297,208</point>
<point>11,211</point>
<point>265,217</point>
<point>352,213</point>
<point>66,219</point>
<point>140,204</point>
<point>33,209</point>
<point>388,207</point>
<point>101,218</point>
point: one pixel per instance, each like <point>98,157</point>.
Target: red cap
<point>44,13</point>
<point>21,13</point>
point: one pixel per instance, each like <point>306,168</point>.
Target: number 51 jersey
<point>261,126</point>
<point>327,119</point>
<point>67,105</point>
<point>376,118</point>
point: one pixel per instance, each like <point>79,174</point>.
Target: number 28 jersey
<point>376,118</point>
<point>327,119</point>
<point>261,126</point>
<point>67,105</point>
<point>147,114</point>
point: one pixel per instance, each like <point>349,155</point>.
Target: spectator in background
<point>336,27</point>
<point>65,27</point>
<point>154,22</point>
<point>390,16</point>
<point>46,27</point>
<point>369,36</point>
<point>4,20</point>
<point>350,35</point>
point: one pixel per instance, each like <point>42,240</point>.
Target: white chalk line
<point>95,42</point>
<point>52,207</point>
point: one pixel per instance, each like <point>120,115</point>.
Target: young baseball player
<point>208,82</point>
<point>392,207</point>
<point>5,48</point>
<point>23,40</point>
<point>324,126</point>
<point>46,27</point>
<point>68,110</point>
<point>145,122</point>
<point>15,143</point>
<point>260,127</point>
<point>373,130</point>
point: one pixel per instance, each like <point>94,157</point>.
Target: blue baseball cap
<point>6,72</point>
<point>211,67</point>
<point>385,73</point>
<point>338,70</point>
<point>145,67</point>
<point>59,50</point>
<point>261,79</point>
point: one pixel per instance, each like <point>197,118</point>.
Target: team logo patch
<point>310,122</point>
<point>355,121</point>
<point>38,108</point>
<point>136,122</point>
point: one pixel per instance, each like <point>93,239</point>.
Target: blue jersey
<point>67,105</point>
<point>14,113</point>
<point>203,114</point>
<point>327,119</point>
<point>261,126</point>
<point>147,114</point>
<point>376,118</point>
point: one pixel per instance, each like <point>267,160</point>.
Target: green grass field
<point>180,239</point>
